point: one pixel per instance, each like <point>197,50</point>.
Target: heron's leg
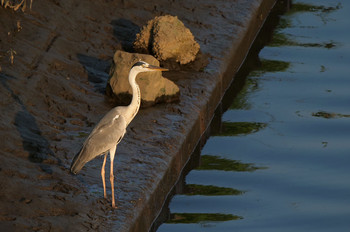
<point>103,176</point>
<point>111,176</point>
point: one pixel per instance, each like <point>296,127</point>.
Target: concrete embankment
<point>233,38</point>
<point>54,62</point>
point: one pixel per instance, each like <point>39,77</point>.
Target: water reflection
<point>239,128</point>
<point>240,101</point>
<point>202,218</point>
<point>274,159</point>
<point>211,162</point>
<point>252,85</point>
<point>281,38</point>
<point>328,115</point>
<point>306,7</point>
<point>210,190</point>
<point>272,66</point>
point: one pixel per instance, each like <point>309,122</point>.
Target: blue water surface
<point>282,159</point>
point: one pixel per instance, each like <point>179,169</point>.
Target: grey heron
<point>111,129</point>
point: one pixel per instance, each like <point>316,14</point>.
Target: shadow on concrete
<point>33,142</point>
<point>97,69</point>
<point>125,31</point>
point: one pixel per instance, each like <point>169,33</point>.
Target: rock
<point>166,37</point>
<point>154,88</point>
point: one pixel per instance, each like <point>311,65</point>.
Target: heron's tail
<point>77,162</point>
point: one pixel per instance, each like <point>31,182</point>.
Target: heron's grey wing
<point>105,135</point>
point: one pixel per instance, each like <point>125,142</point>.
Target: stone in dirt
<point>166,37</point>
<point>154,88</point>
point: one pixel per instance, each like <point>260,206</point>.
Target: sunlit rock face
<point>166,37</point>
<point>154,87</point>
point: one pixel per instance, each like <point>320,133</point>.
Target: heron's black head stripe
<point>140,63</point>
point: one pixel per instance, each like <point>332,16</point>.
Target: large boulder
<point>154,88</point>
<point>166,37</point>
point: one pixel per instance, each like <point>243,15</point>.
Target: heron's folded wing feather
<point>104,136</point>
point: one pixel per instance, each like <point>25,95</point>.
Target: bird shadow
<point>33,141</point>
<point>97,70</point>
<point>125,31</point>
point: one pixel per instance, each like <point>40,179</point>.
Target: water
<point>280,160</point>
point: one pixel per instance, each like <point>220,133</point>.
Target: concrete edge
<point>229,68</point>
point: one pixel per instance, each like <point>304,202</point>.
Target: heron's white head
<point>142,66</point>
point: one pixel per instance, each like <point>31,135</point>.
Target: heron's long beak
<point>156,68</point>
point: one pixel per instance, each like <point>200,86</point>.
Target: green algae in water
<point>240,128</point>
<point>304,7</point>
<point>329,115</point>
<point>274,65</point>
<point>281,39</point>
<point>211,162</point>
<point>201,217</point>
<point>210,190</point>
<point>240,101</point>
<point>252,84</point>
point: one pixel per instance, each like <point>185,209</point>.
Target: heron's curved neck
<point>134,106</point>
